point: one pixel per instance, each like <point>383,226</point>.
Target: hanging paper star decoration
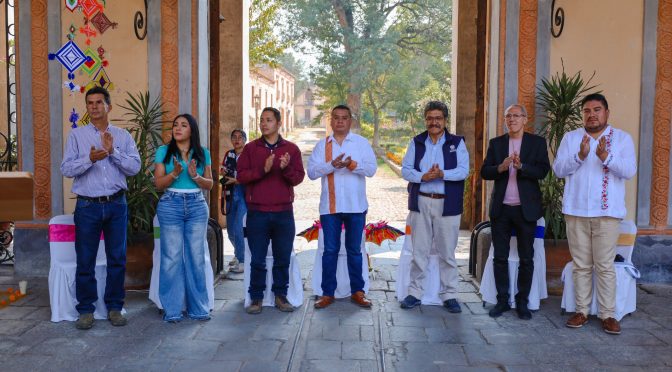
<point>88,31</point>
<point>72,86</point>
<point>85,120</point>
<point>70,56</point>
<point>90,7</point>
<point>74,116</point>
<point>92,63</point>
<point>101,80</point>
<point>102,23</point>
<point>101,55</point>
<point>72,29</point>
<point>71,5</point>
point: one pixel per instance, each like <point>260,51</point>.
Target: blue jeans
<point>331,229</point>
<point>234,221</point>
<point>277,228</point>
<point>92,218</point>
<point>184,220</point>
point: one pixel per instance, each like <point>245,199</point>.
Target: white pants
<point>429,228</point>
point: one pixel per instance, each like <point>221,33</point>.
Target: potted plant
<point>145,124</point>
<point>560,101</point>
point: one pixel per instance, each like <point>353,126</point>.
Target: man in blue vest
<point>435,165</point>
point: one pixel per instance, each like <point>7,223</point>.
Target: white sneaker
<point>237,269</point>
<point>233,262</point>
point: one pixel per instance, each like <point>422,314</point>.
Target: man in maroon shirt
<point>270,167</point>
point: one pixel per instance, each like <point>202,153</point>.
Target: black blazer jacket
<point>535,166</point>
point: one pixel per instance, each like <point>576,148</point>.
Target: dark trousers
<point>511,219</point>
<point>331,229</point>
<point>278,229</point>
<point>92,218</point>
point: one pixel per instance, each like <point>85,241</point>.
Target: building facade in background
<point>271,87</point>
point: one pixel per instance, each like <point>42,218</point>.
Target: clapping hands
<point>339,162</point>
<point>601,150</point>
<point>433,173</point>
<point>191,168</point>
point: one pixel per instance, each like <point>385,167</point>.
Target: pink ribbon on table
<point>59,233</point>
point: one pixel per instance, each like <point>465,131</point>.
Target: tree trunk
<point>354,101</point>
<point>376,125</point>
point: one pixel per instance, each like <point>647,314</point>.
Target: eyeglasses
<point>514,116</point>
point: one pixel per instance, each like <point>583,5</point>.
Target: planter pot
<point>139,250</point>
<point>557,256</point>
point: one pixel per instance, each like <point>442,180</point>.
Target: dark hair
<point>595,97</point>
<point>275,112</point>
<point>242,133</point>
<point>99,90</point>
<point>342,107</point>
<point>436,105</point>
<point>194,142</point>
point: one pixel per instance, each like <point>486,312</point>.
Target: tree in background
<point>265,46</point>
<point>359,44</point>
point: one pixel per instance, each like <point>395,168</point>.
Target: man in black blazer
<point>516,161</point>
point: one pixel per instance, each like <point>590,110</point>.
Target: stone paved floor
<point>342,337</point>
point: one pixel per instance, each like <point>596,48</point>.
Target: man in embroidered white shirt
<point>343,161</point>
<point>595,161</point>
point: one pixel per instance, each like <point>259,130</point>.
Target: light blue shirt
<point>104,177</point>
<point>183,181</point>
<point>434,155</point>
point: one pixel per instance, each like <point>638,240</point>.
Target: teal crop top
<point>183,181</point>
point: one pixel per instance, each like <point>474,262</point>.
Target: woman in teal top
<point>182,169</point>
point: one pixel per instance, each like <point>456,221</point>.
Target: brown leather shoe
<point>255,307</point>
<point>577,321</point>
<point>324,301</point>
<point>283,305</point>
<point>611,326</point>
<point>360,299</point>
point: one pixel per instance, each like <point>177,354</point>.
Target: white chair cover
<point>156,269</point>
<point>538,290</point>
<point>342,276</point>
<point>626,277</point>
<point>295,288</point>
<point>62,291</point>
<point>430,284</point>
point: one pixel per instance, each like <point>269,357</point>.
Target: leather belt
<point>433,196</point>
<point>103,199</point>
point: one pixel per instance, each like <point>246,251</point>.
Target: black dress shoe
<point>523,312</point>
<point>499,309</point>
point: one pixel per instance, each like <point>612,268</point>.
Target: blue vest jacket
<point>453,190</point>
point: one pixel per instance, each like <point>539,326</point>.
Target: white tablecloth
<point>538,290</point>
<point>156,269</point>
<point>62,270</point>
<point>342,276</point>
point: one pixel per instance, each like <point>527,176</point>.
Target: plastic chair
<point>538,290</point>
<point>62,271</point>
<point>432,281</point>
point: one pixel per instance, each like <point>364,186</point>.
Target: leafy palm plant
<point>145,125</point>
<point>560,100</point>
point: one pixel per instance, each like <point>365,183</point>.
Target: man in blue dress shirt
<point>99,157</point>
<point>435,166</point>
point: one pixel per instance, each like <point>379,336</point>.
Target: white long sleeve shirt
<point>343,190</point>
<point>594,188</point>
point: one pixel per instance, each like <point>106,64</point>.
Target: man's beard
<point>599,128</point>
